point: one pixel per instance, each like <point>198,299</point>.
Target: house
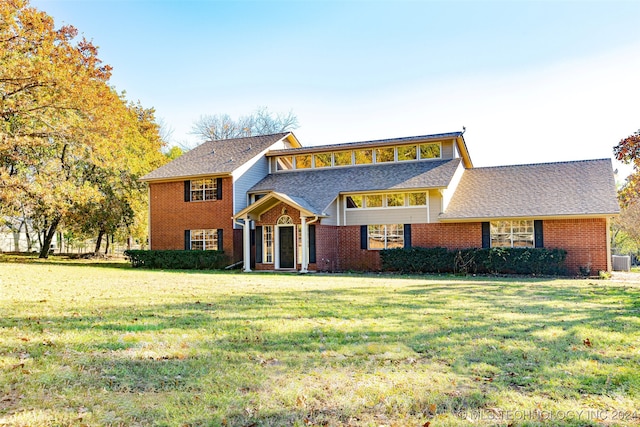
<point>277,205</point>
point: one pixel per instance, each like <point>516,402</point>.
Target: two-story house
<point>276,205</point>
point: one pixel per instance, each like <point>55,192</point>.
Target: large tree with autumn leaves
<point>71,148</point>
<point>627,225</point>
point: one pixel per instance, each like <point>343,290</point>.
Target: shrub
<point>178,260</point>
<point>534,261</point>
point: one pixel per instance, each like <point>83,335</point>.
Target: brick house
<point>276,205</point>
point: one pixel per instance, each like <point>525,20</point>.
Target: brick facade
<point>338,248</point>
<point>171,215</point>
<point>585,241</point>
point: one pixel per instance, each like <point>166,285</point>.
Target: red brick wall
<point>585,241</point>
<point>171,215</point>
<point>451,236</point>
<point>350,256</point>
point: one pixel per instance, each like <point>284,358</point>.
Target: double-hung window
<point>204,240</point>
<point>385,236</point>
<point>203,189</point>
<point>512,234</point>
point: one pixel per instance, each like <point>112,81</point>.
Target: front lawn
<point>83,345</point>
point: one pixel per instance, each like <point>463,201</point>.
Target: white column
<point>305,244</point>
<point>246,246</point>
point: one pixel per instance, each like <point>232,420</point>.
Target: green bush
<point>178,260</point>
<point>535,261</point>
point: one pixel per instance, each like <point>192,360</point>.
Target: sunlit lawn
<point>107,345</point>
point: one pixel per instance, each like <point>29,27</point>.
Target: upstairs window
<point>204,189</point>
<point>407,152</point>
<point>303,161</point>
<point>385,154</point>
<point>342,158</point>
<point>322,160</point>
<point>430,151</point>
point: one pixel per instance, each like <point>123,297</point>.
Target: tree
<point>260,122</point>
<point>68,141</point>
<point>628,151</point>
<point>626,229</point>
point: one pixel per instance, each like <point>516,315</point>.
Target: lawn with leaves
<point>89,345</point>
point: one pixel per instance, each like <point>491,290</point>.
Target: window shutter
<point>312,243</point>
<point>187,191</point>
<point>258,244</point>
<point>219,188</point>
<point>363,237</point>
<point>187,240</point>
<point>486,235</point>
<point>537,234</point>
<point>220,246</point>
<point>407,235</point>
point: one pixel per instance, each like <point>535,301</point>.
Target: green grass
<point>88,345</point>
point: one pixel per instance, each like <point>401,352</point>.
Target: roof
<point>579,188</point>
<point>215,157</point>
<point>319,187</point>
<point>273,198</point>
<point>378,142</point>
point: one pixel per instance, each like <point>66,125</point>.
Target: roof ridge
<point>541,164</point>
<point>245,137</point>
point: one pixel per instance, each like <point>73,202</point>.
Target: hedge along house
<point>334,207</point>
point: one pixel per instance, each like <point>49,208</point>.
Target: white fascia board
<point>447,193</point>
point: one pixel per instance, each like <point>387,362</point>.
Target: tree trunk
<point>106,249</point>
<point>48,238</point>
<point>99,241</point>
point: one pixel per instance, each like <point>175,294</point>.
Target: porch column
<point>246,244</point>
<point>305,244</point>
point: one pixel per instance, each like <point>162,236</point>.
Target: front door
<point>285,251</point>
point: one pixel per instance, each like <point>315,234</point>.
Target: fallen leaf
<point>427,424</point>
<point>587,342</point>
<point>433,408</point>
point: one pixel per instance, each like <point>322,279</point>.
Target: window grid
<point>268,244</point>
<point>203,189</point>
<point>385,236</point>
<point>400,153</point>
<point>204,240</point>
<point>512,234</point>
<point>389,200</point>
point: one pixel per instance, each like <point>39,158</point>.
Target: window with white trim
<point>203,189</point>
<point>204,240</point>
<point>388,200</point>
<point>512,234</point>
<point>385,236</point>
<point>267,242</point>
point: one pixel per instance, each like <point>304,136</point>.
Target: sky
<point>530,82</point>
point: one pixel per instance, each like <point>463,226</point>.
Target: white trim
<point>149,214</point>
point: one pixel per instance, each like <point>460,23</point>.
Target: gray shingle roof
<point>536,190</point>
<point>215,157</point>
<point>320,187</point>
<point>351,145</point>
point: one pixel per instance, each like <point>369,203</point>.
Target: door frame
<point>276,246</point>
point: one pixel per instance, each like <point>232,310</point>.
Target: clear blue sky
<point>531,81</point>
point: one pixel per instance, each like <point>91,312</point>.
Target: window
<point>303,161</point>
<point>203,189</point>
<point>385,236</point>
<point>364,157</point>
<point>268,244</point>
<point>342,158</point>
<point>430,151</point>
<point>373,201</point>
<point>385,154</point>
<point>204,240</point>
<point>322,160</point>
<point>354,202</point>
<point>407,152</point>
<point>284,163</point>
<point>512,234</point>
<point>417,199</point>
<point>394,200</point>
